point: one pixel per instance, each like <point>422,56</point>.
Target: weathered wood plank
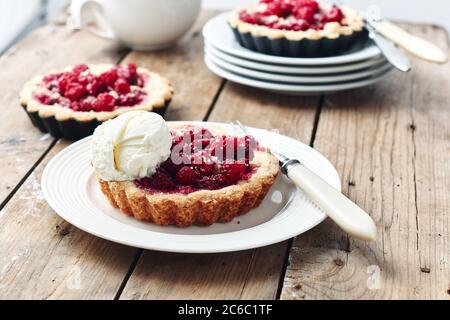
<point>390,145</point>
<point>251,274</point>
<point>48,47</point>
<point>431,138</point>
<point>42,256</point>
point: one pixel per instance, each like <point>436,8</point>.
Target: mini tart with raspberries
<point>201,193</point>
<point>298,28</point>
<point>72,102</point>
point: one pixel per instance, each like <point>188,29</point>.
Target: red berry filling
<point>80,90</point>
<point>201,161</point>
<point>293,15</point>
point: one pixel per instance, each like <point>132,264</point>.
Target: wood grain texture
<point>195,86</point>
<point>48,47</point>
<point>390,145</point>
<point>44,257</point>
<point>251,274</point>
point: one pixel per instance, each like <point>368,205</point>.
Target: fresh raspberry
<point>133,74</point>
<point>79,68</point>
<point>130,99</point>
<point>305,13</point>
<point>96,86</point>
<point>205,169</point>
<point>75,91</point>
<point>334,15</point>
<point>64,80</point>
<point>186,176</point>
<point>50,78</point>
<point>277,8</point>
<point>84,79</point>
<point>232,171</point>
<point>203,165</point>
<point>122,86</point>
<point>128,73</point>
<point>314,5</point>
<point>109,77</point>
<point>319,17</point>
<point>44,98</point>
<point>205,143</point>
<point>104,102</point>
<point>81,106</point>
<point>253,18</point>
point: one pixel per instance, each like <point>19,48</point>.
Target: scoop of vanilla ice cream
<point>130,146</point>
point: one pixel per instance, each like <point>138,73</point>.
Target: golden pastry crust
<point>202,207</point>
<point>353,23</point>
<point>159,93</point>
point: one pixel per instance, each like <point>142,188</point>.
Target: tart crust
<point>158,89</point>
<point>203,207</point>
<point>353,23</point>
<point>333,39</point>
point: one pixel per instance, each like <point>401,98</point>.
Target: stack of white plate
<point>226,58</point>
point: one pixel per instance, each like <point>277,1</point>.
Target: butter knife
<point>419,47</point>
<point>344,212</point>
<point>393,54</point>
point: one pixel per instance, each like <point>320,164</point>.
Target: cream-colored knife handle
<point>347,215</point>
<point>417,46</point>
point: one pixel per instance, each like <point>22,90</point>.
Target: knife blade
<point>393,54</point>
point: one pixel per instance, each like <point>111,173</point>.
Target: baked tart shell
<point>62,122</point>
<point>305,48</point>
<point>333,40</point>
<point>203,207</point>
<point>72,128</point>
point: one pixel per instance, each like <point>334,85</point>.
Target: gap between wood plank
<point>27,174</point>
<point>55,141</point>
<point>413,140</point>
<point>291,241</point>
<point>214,101</point>
<point>130,271</point>
<point>141,251</point>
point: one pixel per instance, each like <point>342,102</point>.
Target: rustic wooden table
<point>389,142</point>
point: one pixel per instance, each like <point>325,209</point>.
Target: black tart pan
<point>71,129</point>
<point>304,48</point>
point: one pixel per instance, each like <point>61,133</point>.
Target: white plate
<point>218,33</point>
<point>274,68</point>
<point>293,89</point>
<point>317,79</point>
<point>70,188</point>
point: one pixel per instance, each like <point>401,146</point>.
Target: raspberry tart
<point>186,175</point>
<point>71,103</point>
<point>298,28</point>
